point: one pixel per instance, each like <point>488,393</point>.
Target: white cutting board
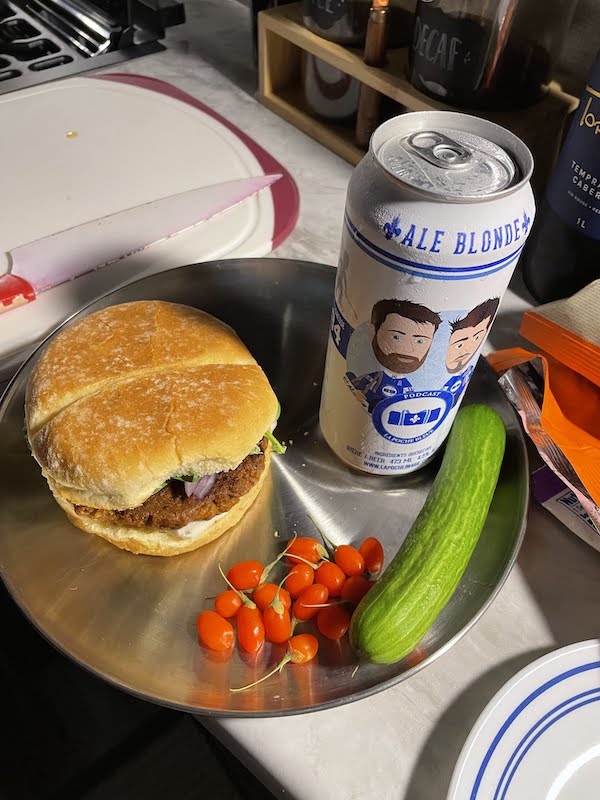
<point>82,148</point>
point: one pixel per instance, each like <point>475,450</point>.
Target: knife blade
<point>62,256</point>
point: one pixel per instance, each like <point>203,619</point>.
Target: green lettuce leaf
<point>276,444</point>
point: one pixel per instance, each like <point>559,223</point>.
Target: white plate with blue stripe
<point>539,737</point>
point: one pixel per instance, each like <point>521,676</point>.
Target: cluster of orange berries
<point>324,583</point>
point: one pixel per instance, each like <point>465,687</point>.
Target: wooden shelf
<point>282,40</point>
<point>290,104</point>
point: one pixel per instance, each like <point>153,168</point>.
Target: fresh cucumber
<point>397,612</point>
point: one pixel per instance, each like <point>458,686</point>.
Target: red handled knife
<point>62,256</point>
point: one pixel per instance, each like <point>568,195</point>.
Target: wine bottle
<point>562,254</point>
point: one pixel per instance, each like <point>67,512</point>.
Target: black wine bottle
<point>562,254</point>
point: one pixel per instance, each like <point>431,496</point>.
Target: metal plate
<point>131,619</point>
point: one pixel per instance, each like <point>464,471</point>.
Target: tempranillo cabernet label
<point>574,188</point>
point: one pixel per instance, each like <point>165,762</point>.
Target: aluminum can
<point>437,213</point>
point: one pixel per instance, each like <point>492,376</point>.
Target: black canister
<point>485,53</point>
<point>341,21</point>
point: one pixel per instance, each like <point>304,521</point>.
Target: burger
<point>152,424</point>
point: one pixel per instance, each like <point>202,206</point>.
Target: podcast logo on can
<point>412,417</point>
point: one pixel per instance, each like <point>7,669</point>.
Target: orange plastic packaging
<point>567,339</point>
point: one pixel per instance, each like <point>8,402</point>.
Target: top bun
<point>141,392</point>
<point>125,341</point>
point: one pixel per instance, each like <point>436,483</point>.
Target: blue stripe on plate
<point>537,736</point>
<point>463,272</point>
<point>534,728</point>
<point>518,710</point>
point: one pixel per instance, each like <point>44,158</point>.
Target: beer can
<point>437,213</point>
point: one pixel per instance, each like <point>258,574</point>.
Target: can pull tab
<point>439,149</point>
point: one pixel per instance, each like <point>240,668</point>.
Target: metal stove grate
<point>41,40</point>
<point>27,46</point>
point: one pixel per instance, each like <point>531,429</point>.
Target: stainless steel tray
<point>131,619</point>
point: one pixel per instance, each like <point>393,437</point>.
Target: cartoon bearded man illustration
<point>466,338</point>
<point>401,336</point>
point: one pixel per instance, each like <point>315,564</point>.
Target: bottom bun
<point>163,541</point>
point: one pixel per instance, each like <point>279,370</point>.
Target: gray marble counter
<point>402,743</point>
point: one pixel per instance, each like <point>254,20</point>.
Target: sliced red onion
<point>199,489</point>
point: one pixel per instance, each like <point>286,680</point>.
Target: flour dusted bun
<point>125,341</point>
<point>136,395</point>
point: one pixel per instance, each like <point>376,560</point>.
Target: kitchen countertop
<point>401,743</point>
<point>210,57</point>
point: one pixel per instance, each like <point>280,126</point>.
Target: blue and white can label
<point>419,285</point>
